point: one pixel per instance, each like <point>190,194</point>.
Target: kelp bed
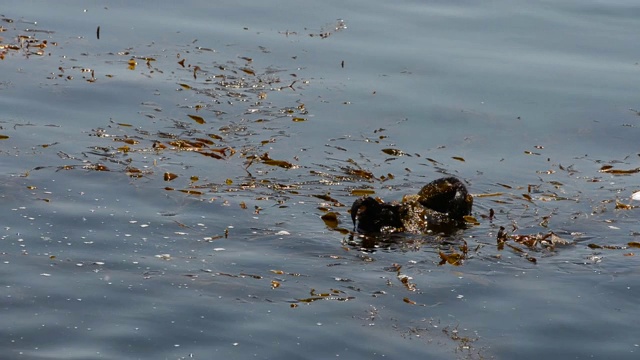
<point>229,133</point>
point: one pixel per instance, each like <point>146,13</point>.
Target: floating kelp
<point>610,170</point>
<point>217,153</point>
<point>533,242</point>
<point>26,45</point>
<point>198,119</point>
<point>488,195</point>
<point>364,174</point>
<point>330,219</point>
<point>394,152</point>
<point>327,197</point>
<point>96,167</point>
<point>326,31</point>
<point>453,258</point>
<point>362,192</point>
<point>621,206</point>
<point>333,294</point>
<point>265,159</point>
<point>134,172</point>
<point>631,244</point>
<point>170,176</point>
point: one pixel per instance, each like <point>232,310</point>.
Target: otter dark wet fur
<point>447,195</point>
<point>372,215</point>
<point>440,205</point>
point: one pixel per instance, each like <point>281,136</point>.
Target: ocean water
<point>166,168</point>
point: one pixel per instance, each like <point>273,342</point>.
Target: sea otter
<point>441,205</point>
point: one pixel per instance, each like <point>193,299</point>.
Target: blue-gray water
<point>536,98</point>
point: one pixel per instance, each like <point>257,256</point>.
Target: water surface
<point>291,108</point>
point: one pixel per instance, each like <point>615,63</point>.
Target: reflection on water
<point>164,184</point>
